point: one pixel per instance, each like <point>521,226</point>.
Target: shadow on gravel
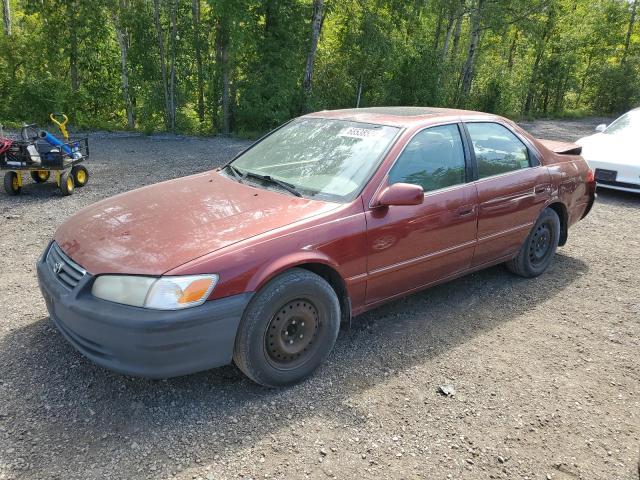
<point>617,197</point>
<point>63,414</point>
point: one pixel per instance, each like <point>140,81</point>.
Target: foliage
<point>532,57</point>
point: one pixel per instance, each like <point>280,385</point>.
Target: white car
<point>614,153</point>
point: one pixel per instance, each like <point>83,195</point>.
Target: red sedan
<point>326,217</point>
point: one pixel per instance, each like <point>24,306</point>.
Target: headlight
<point>164,293</point>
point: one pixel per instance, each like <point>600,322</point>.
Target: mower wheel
<point>40,176</point>
<point>67,185</point>
<point>80,175</point>
<point>12,183</point>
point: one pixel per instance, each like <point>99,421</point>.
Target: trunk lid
<point>562,148</point>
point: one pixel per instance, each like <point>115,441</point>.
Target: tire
<point>288,329</point>
<point>40,176</point>
<point>67,184</point>
<point>538,250</point>
<point>80,175</point>
<point>11,183</point>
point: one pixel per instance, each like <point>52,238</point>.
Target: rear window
<point>497,150</point>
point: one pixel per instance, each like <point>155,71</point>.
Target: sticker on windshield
<point>355,132</point>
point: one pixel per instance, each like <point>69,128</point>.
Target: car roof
<point>400,116</point>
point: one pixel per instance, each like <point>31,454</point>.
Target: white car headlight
<point>163,293</point>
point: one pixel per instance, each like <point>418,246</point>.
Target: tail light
<point>590,176</point>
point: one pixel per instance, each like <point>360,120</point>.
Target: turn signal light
<point>195,291</point>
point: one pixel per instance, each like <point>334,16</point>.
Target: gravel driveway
<point>546,371</point>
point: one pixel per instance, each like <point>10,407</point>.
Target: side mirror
<point>601,128</point>
<point>400,194</point>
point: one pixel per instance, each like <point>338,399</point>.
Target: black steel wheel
<point>540,244</point>
<point>290,335</point>
<point>12,183</point>
<point>40,176</point>
<point>539,248</point>
<point>288,329</point>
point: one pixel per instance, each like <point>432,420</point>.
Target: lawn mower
<point>40,153</point>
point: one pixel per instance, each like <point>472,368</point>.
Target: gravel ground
<point>546,371</point>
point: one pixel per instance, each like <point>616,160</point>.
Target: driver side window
<point>433,159</point>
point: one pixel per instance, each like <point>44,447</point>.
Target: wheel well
<point>336,282</point>
<point>561,210</point>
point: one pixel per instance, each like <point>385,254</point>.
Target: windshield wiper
<point>289,187</point>
<point>236,173</point>
<point>240,176</point>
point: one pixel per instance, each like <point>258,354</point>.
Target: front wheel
<point>288,329</point>
<point>80,175</point>
<point>12,183</point>
<point>67,185</point>
<point>539,248</point>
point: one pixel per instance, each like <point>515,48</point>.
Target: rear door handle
<point>466,210</point>
<point>541,189</point>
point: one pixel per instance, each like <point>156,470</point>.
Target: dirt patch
<point>546,372</point>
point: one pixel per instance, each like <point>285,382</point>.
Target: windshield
<point>321,158</point>
<point>627,123</point>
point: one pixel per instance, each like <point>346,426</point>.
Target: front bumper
<point>138,341</point>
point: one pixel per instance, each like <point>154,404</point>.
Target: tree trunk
<point>270,16</point>
<point>632,21</point>
<point>560,92</point>
<point>316,27</point>
<point>469,64</point>
<point>583,80</point>
<point>195,11</point>
<point>457,32</point>
<point>163,64</point>
<point>123,43</point>
<point>6,11</point>
<point>536,64</point>
<point>222,59</point>
<point>436,35</point>
<point>512,51</point>
<point>532,78</point>
<point>226,100</point>
<point>449,34</point>
<point>172,72</point>
<point>72,7</point>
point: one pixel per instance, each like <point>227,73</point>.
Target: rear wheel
<point>67,185</point>
<point>12,183</point>
<point>539,248</point>
<point>80,175</point>
<point>288,329</point>
<point>40,176</point>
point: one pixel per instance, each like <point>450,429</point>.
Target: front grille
<point>66,270</point>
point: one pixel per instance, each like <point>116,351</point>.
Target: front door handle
<point>540,189</point>
<point>466,210</point>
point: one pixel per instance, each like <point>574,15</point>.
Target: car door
<point>412,246</point>
<point>512,189</point>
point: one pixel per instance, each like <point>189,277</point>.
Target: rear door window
<point>433,159</point>
<point>497,149</point>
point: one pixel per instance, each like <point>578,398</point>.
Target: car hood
<point>619,149</point>
<point>154,229</point>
